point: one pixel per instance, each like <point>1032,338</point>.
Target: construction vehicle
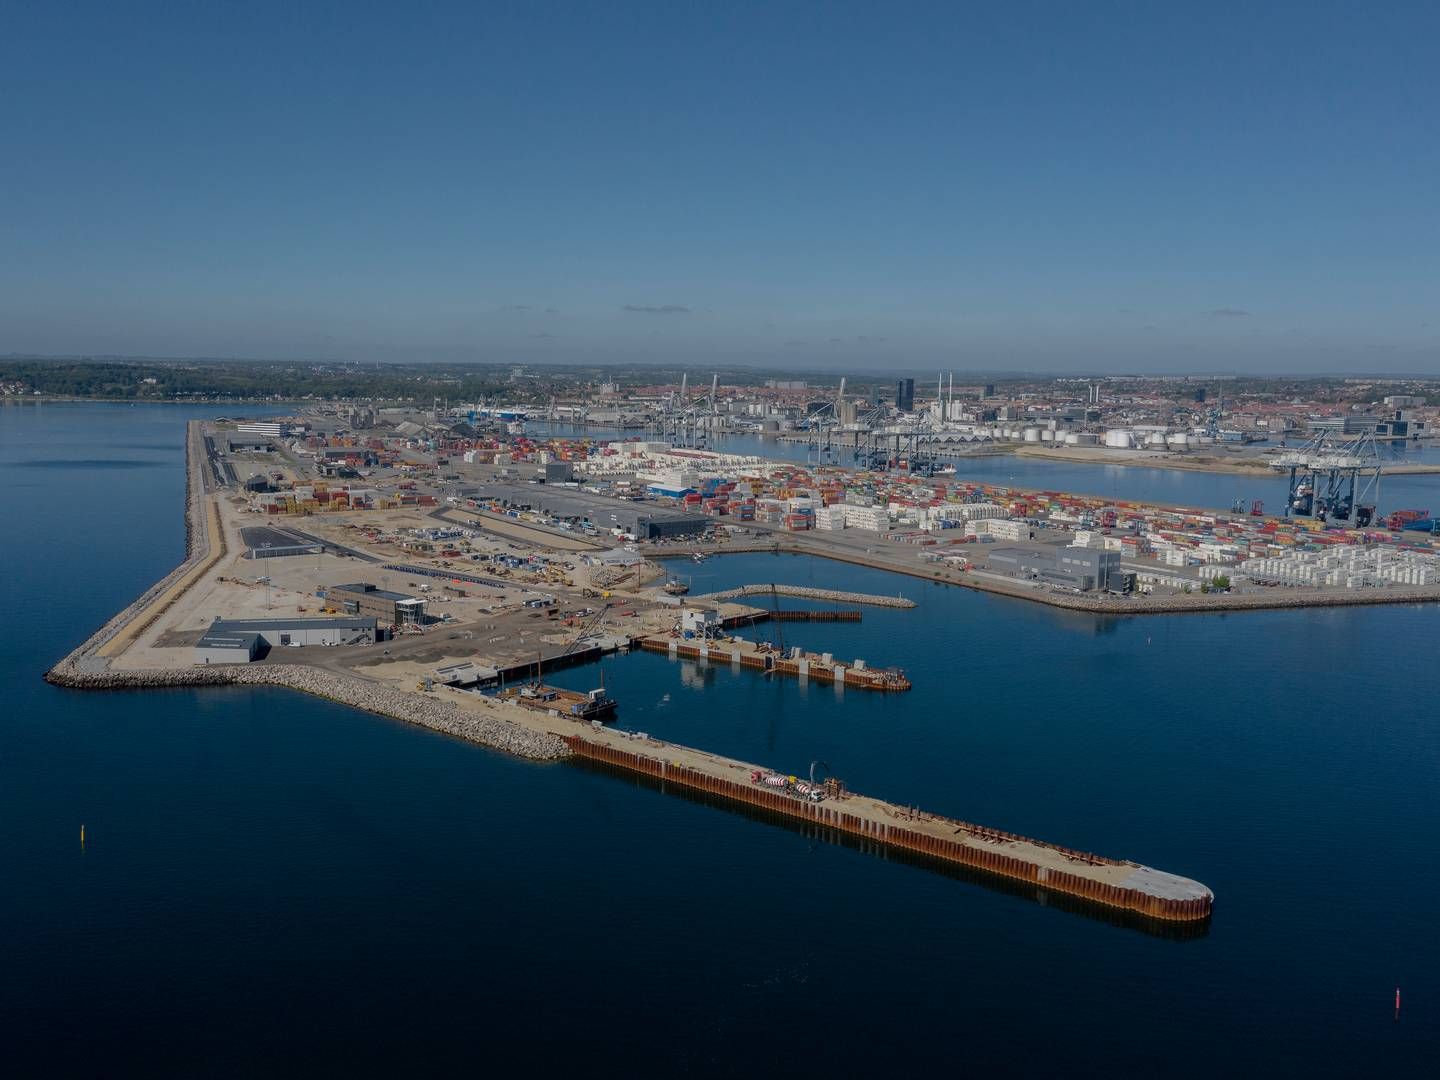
<point>595,705</point>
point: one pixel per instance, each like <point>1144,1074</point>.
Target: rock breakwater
<point>434,713</point>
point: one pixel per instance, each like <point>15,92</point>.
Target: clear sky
<point>1060,186</point>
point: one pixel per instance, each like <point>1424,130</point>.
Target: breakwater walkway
<point>808,593</point>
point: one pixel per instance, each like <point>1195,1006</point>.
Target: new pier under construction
<point>1109,882</point>
<point>762,656</point>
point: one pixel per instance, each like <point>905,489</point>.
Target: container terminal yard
<point>1334,541</point>
<point>443,594</point>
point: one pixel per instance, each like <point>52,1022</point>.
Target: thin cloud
<point>1228,313</point>
<point>542,337</point>
<point>656,309</point>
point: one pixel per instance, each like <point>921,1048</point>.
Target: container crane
<point>1333,480</point>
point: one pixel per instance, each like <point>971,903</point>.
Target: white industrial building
<point>271,430</point>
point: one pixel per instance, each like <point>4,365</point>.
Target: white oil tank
<point>1178,441</point>
<point>1072,438</point>
<point>1118,439</point>
<point>1032,434</point>
<point>1048,435</point>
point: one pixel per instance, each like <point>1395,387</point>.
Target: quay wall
<point>809,593</point>
<point>1274,600</point>
<point>945,850</point>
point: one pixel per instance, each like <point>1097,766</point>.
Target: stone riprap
<point>429,712</point>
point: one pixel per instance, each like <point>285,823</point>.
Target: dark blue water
<point>277,885</point>
<point>1177,487</point>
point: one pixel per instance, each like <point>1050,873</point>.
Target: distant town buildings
<point>905,395</point>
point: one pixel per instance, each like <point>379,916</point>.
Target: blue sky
<point>1064,186</point>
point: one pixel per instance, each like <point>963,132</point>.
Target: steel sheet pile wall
<point>955,851</point>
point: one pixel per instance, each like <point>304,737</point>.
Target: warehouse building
<point>239,444</point>
<point>1073,567</point>
<point>264,542</point>
<point>642,521</point>
<point>363,599</point>
<point>239,641</point>
<point>227,647</point>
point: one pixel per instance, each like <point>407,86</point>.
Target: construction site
<point>457,628</point>
<point>455,599</point>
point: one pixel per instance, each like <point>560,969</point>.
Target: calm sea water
<point>277,885</point>
<point>1171,486</point>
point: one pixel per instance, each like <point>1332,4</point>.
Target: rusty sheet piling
<point>1142,890</point>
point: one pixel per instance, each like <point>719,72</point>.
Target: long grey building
<point>239,641</point>
<point>1073,567</point>
<point>645,521</point>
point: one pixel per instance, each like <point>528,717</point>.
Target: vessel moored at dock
<point>595,705</point>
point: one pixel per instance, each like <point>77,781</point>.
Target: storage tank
<point>1072,438</point>
<point>1118,439</point>
<point>1156,439</point>
<point>1178,441</point>
<point>1032,434</point>
<point>1048,435</point>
